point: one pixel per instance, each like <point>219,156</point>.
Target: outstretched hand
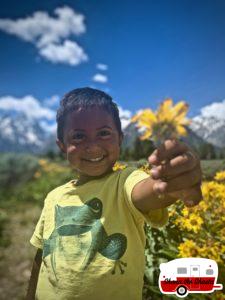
<point>178,171</point>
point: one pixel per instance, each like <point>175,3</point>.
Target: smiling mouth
<point>95,160</point>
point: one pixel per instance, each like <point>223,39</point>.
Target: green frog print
<point>77,220</point>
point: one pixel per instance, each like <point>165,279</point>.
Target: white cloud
<point>102,67</point>
<point>215,109</point>
<point>48,34</point>
<point>69,53</point>
<point>125,116</point>
<point>34,109</point>
<point>124,113</point>
<point>50,127</point>
<point>52,101</point>
<point>28,105</point>
<point>43,29</point>
<point>100,78</point>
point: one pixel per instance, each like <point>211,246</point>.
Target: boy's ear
<point>121,139</point>
<point>61,145</point>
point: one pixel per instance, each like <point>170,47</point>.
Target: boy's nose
<point>93,148</point>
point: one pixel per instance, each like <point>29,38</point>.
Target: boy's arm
<point>34,276</point>
<point>145,198</point>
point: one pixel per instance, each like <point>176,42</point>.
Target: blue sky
<point>140,52</point>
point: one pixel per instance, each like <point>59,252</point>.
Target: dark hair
<point>85,98</point>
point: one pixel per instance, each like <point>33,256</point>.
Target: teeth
<point>96,159</point>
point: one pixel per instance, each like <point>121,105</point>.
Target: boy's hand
<point>179,171</point>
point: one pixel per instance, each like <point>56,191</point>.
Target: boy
<point>90,235</point>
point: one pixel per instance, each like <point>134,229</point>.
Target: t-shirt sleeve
<point>37,237</point>
<point>157,217</point>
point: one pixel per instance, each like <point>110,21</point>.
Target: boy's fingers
<point>178,165</point>
<point>167,150</point>
<point>181,182</point>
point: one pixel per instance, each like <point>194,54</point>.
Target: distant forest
<point>142,149</point>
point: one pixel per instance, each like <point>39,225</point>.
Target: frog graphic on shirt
<point>76,220</point>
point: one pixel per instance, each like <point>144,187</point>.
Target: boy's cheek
<point>115,142</point>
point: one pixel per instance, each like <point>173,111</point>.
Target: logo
<point>189,275</point>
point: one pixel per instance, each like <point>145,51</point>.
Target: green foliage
<point>140,150</point>
<point>125,154</point>
<point>36,190</point>
<point>211,167</point>
<point>4,241</point>
<point>207,151</point>
<point>16,169</point>
<point>161,246</point>
<point>26,180</point>
<point>22,178</point>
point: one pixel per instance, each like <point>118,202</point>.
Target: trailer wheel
<point>181,290</point>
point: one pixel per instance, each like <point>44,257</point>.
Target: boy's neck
<point>82,179</point>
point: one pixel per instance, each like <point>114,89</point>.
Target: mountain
<point>18,133</point>
<point>131,133</point>
<point>210,129</point>
<point>207,138</point>
<point>21,134</point>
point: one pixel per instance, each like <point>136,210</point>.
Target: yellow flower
<point>168,122</point>
<point>146,119</point>
<point>218,296</point>
<point>202,206</point>
<point>211,250</point>
<point>185,211</point>
<point>118,166</point>
<point>37,174</point>
<point>51,167</point>
<point>188,249</point>
<point>210,213</point>
<point>222,236</point>
<point>192,223</point>
<point>43,162</point>
<point>146,168</point>
<point>172,210</point>
<point>171,213</point>
<point>168,112</point>
<point>220,176</point>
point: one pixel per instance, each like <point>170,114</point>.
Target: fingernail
<point>153,159</point>
<point>154,172</point>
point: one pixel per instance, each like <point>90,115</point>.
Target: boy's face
<point>91,141</point>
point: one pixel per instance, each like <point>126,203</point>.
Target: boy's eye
<point>78,136</point>
<point>105,133</point>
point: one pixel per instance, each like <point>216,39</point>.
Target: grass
<point>16,259</point>
<point>210,167</point>
<point>18,223</point>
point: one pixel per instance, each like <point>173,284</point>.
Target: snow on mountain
<point>210,123</point>
<point>210,128</point>
<point>21,134</point>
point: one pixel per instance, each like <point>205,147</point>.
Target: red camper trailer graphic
<point>189,275</point>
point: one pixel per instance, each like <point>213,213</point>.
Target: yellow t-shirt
<point>93,240</point>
